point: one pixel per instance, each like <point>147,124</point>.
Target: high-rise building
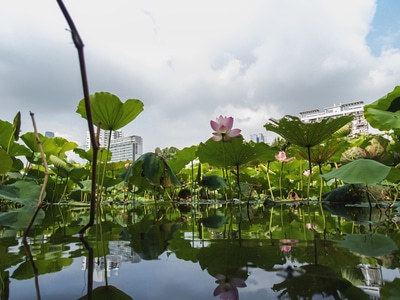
<point>356,109</point>
<point>126,148</point>
<point>104,137</point>
<point>258,138</point>
<point>49,134</point>
<point>122,148</point>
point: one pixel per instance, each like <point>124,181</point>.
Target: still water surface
<point>205,251</point>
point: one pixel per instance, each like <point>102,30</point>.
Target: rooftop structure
<point>356,109</point>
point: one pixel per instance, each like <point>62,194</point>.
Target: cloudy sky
<point>190,61</point>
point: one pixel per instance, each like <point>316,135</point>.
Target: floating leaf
<point>362,171</point>
<point>372,245</point>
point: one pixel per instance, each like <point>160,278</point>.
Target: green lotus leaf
<point>233,153</point>
<point>64,145</point>
<point>153,168</point>
<point>6,161</point>
<point>17,125</point>
<point>370,244</point>
<point>6,133</point>
<point>303,134</point>
<point>182,158</point>
<point>324,152</point>
<point>213,182</point>
<point>384,113</point>
<point>110,111</point>
<point>48,144</point>
<point>362,171</point>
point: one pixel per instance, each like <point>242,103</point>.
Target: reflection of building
<point>119,252</point>
<point>373,280</point>
<point>257,138</point>
<point>356,109</point>
<point>122,148</point>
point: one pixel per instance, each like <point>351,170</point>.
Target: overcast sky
<point>190,61</point>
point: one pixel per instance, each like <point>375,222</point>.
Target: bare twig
<point>46,176</point>
<point>95,146</point>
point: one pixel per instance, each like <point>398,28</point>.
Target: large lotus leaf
<point>103,155</point>
<point>16,149</point>
<point>213,182</point>
<point>182,158</point>
<point>370,244</point>
<point>106,293</point>
<point>48,144</point>
<point>394,175</point>
<point>22,192</point>
<point>64,145</point>
<point>6,162</point>
<point>303,134</point>
<point>324,152</point>
<point>155,169</point>
<point>362,171</point>
<point>25,193</point>
<point>110,111</point>
<point>384,113</point>
<point>233,153</point>
<point>6,133</point>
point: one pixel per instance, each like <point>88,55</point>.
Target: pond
<point>210,250</point>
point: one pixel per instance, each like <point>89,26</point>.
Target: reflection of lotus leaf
<point>318,280</point>
<point>106,293</point>
<point>391,290</point>
<point>375,244</point>
<point>228,257</point>
<point>214,221</point>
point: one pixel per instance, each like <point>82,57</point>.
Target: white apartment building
<point>126,148</point>
<point>122,148</point>
<point>356,109</point>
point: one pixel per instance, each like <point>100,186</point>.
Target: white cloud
<point>190,61</point>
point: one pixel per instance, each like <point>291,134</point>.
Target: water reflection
<point>289,252</point>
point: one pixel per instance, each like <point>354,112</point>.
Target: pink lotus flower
<point>307,173</point>
<point>222,127</point>
<point>281,156</point>
<point>310,226</point>
<point>285,248</point>
<point>227,287</point>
